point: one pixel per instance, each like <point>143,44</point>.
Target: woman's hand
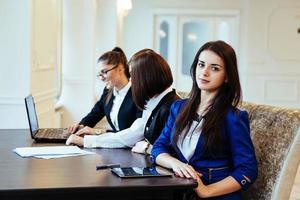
<point>140,147</point>
<point>179,168</point>
<point>184,170</point>
<point>85,131</point>
<point>74,139</point>
<point>73,128</point>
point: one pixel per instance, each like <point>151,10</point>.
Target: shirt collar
<point>123,91</point>
<point>153,102</point>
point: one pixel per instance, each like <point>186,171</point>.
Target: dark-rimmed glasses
<point>104,72</point>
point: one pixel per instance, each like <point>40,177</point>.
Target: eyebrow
<point>213,64</point>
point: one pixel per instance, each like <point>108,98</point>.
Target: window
<point>163,39</point>
<point>179,35</point>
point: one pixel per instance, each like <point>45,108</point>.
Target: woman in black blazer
<point>116,102</point>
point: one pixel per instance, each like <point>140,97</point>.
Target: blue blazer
<point>237,160</point>
<point>128,112</point>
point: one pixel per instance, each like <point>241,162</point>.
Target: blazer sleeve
<point>242,149</point>
<point>164,144</point>
<point>97,112</point>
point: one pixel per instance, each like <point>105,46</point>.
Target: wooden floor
<point>295,195</point>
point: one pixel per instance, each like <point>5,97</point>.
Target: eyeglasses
<point>104,72</point>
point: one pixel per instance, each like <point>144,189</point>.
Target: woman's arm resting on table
<point>180,169</point>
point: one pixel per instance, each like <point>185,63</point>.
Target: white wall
<point>105,26</point>
<point>15,19</point>
<point>78,59</point>
<point>273,68</point>
<point>45,58</point>
<point>90,29</point>
<point>105,36</point>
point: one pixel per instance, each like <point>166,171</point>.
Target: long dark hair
<point>228,96</point>
<point>150,76</point>
<point>115,57</point>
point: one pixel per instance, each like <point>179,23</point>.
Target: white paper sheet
<point>63,156</point>
<point>50,151</point>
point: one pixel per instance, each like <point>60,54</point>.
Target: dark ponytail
<point>114,57</point>
<point>123,60</point>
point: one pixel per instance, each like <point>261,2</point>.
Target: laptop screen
<point>31,114</point>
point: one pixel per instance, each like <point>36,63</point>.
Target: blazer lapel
<point>107,109</point>
<point>177,150</point>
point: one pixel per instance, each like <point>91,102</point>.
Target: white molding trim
<point>293,86</point>
<point>37,66</point>
<point>44,112</point>
<point>215,12</point>
<point>39,97</point>
<point>10,100</point>
<point>52,61</point>
<point>76,81</point>
<point>269,71</point>
<point>43,96</point>
<point>268,32</point>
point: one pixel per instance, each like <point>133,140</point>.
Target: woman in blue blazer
<point>116,103</point>
<point>206,136</point>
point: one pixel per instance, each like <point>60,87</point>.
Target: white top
<point>127,137</point>
<point>118,100</point>
<point>188,146</point>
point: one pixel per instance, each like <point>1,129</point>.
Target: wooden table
<point>77,177</point>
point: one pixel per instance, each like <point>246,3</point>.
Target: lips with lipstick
<point>202,80</point>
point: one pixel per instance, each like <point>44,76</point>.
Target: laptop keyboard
<point>53,133</point>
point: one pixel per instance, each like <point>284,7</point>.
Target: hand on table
<point>184,170</point>
<point>140,147</point>
<point>75,140</point>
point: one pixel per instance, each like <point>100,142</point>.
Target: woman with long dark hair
<point>207,137</point>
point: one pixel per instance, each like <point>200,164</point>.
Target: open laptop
<point>53,135</point>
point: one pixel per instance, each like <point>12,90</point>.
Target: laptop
<point>49,135</point>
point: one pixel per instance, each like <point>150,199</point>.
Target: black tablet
<point>140,172</point>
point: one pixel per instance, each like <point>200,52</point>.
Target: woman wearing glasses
<point>151,90</point>
<point>116,102</point>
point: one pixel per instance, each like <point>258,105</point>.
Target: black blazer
<point>159,116</point>
<point>128,112</point>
